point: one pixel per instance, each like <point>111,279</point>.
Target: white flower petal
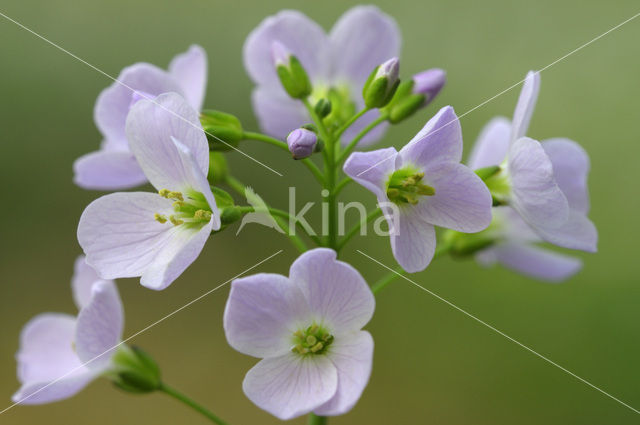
<point>578,232</point>
<point>179,252</point>
<point>304,38</point>
<point>535,194</point>
<point>492,145</point>
<point>112,106</point>
<point>108,170</point>
<point>536,262</point>
<point>46,359</point>
<point>352,356</point>
<point>461,202</point>
<point>440,140</point>
<point>372,169</point>
<point>84,277</point>
<point>570,169</point>
<point>337,294</point>
<point>189,69</point>
<point>291,385</point>
<point>151,128</point>
<point>99,326</point>
<point>414,242</point>
<point>525,106</point>
<point>262,313</point>
<point>363,38</point>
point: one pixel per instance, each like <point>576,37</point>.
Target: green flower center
<point>500,187</point>
<point>313,340</point>
<point>191,210</point>
<point>342,105</point>
<point>405,187</point>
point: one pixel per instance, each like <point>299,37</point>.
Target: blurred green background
<point>433,365</point>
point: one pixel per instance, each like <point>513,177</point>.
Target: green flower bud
<point>135,371</point>
<point>218,168</point>
<point>463,245</point>
<point>230,215</point>
<point>323,107</point>
<point>382,84</point>
<point>223,130</point>
<point>292,74</point>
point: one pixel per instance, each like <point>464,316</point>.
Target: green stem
<point>351,121</point>
<point>330,174</point>
<point>248,135</point>
<point>317,420</point>
<point>441,250</point>
<point>341,185</point>
<point>390,277</point>
<point>238,187</point>
<point>352,232</point>
<point>351,146</point>
<point>189,402</point>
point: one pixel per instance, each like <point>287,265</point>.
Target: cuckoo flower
<point>429,187</point>
<point>155,235</point>
<point>114,166</point>
<point>60,354</point>
<point>307,330</point>
<point>338,65</point>
<point>546,183</point>
<point>515,247</point>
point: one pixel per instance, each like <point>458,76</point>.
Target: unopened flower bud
<point>292,75</point>
<point>463,245</point>
<point>218,168</point>
<point>134,370</point>
<point>415,94</point>
<point>223,130</point>
<point>382,84</point>
<point>323,107</point>
<point>230,215</point>
<point>302,143</point>
<point>429,83</point>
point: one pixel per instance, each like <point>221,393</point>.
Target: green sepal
<point>310,127</point>
<point>294,79</point>
<point>463,245</point>
<point>487,172</point>
<point>223,131</point>
<point>230,215</point>
<point>404,102</point>
<point>218,168</point>
<point>134,371</point>
<point>222,197</point>
<point>377,92</point>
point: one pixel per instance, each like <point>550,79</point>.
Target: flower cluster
<point>318,97</point>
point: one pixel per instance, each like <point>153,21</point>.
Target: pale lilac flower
<point>307,329</point>
<point>60,354</point>
<point>155,235</point>
<point>302,143</point>
<point>429,186</point>
<point>362,39</point>
<point>516,248</point>
<point>546,183</point>
<point>114,166</point>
